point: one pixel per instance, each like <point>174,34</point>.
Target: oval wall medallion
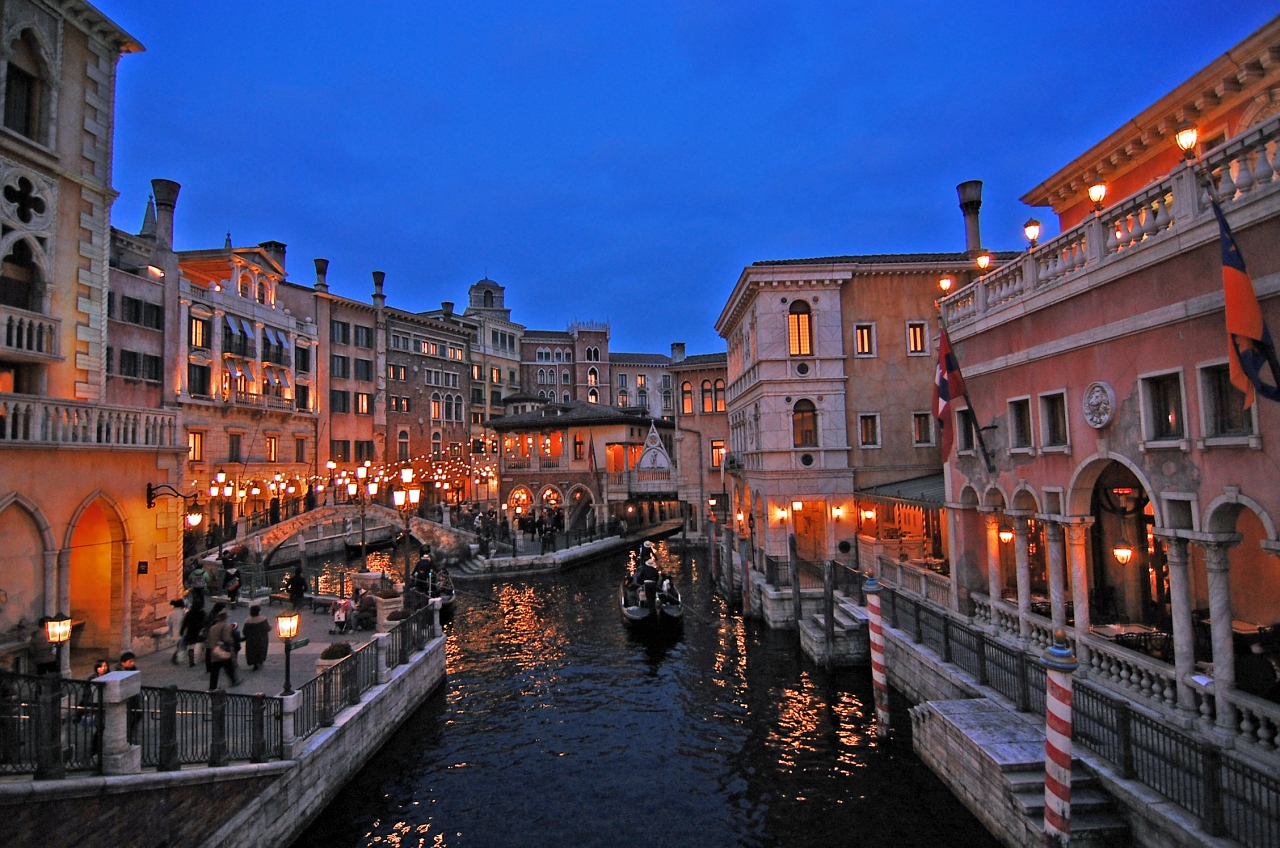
<point>1099,404</point>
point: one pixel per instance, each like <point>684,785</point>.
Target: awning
<point>249,371</point>
<point>273,336</point>
<point>271,376</point>
<point>284,378</point>
<point>234,326</point>
<point>234,368</point>
<point>247,327</point>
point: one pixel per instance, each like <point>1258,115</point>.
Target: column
<point>184,344</point>
<point>995,576</point>
<point>1224,658</point>
<point>216,366</point>
<point>118,756</point>
<point>879,676</point>
<point>1077,553</point>
<point>126,603</point>
<point>51,582</point>
<point>1057,574</point>
<point>1059,663</point>
<point>289,744</point>
<point>1022,555</point>
<point>1183,635</point>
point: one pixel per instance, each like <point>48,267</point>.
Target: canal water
<point>557,728</point>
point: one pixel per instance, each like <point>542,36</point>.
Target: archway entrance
<point>96,595</point>
<point>811,531</point>
<point>1130,575</point>
<point>22,564</point>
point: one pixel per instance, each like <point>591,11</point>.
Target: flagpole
<point>977,430</point>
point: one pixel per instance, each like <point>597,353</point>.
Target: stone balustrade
<point>1138,676</point>
<point>28,419</point>
<point>29,335</point>
<point>915,579</point>
<point>1242,170</point>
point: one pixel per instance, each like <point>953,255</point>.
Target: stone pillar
<point>289,744</point>
<point>1224,658</point>
<point>184,345</point>
<point>435,617</point>
<point>126,603</point>
<point>216,366</point>
<point>380,649</point>
<point>1022,555</point>
<point>1057,574</point>
<point>1077,553</point>
<point>1059,664</point>
<point>118,756</point>
<point>995,576</point>
<point>1183,634</point>
<point>51,582</point>
<point>879,677</point>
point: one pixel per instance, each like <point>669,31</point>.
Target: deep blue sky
<point>623,161</point>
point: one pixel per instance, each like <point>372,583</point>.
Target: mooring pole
<point>879,680</point>
<point>1060,662</point>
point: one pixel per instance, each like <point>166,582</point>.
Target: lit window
<point>869,430</point>
<point>717,453</point>
<point>864,339</point>
<point>917,338</point>
<point>1163,396</point>
<point>273,446</point>
<point>363,407</point>
<point>804,420</point>
<point>922,425</point>
<point>686,398</point>
<point>195,447</point>
<point>800,329</point>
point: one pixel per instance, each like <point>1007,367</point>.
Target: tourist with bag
<point>220,649</point>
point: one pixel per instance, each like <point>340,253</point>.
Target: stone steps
<point>1094,821</point>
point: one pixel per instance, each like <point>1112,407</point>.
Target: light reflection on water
<point>558,729</point>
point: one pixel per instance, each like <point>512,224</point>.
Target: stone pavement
<point>157,670</point>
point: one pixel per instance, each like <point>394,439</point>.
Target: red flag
<point>948,384</point>
<point>1249,345</point>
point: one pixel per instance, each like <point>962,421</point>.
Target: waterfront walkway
<point>479,567</point>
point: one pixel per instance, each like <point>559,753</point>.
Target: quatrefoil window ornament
<point>25,201</point>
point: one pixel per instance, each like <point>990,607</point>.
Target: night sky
<point>624,161</point>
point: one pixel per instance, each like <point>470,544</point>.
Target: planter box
<point>386,606</point>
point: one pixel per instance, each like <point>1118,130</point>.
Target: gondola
<point>651,604</point>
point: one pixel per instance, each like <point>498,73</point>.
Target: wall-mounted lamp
<point>797,506</point>
<point>945,284</point>
<point>1123,552</point>
<point>837,512</point>
<point>868,515</point>
<point>1006,534</point>
<point>194,515</point>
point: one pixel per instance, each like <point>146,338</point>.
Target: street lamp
<point>1186,135</point>
<point>287,629</point>
<point>58,631</point>
<point>984,260</point>
<point>1006,534</point>
<point>1098,193</point>
<point>1031,230</point>
<point>945,284</point>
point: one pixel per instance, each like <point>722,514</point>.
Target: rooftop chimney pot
<point>322,275</point>
<point>970,202</point>
<point>166,195</point>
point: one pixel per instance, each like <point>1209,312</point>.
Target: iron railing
<point>49,726</point>
<point>1230,796</point>
<point>179,727</point>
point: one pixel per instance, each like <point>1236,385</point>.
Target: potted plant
<point>335,653</point>
<point>388,602</point>
<point>398,615</point>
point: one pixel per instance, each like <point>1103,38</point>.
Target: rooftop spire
<point>149,219</point>
<point>227,244</point>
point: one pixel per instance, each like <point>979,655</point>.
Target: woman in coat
<point>257,633</point>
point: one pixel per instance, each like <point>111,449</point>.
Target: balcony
<point>1127,235</point>
<point>28,336</point>
<point>30,420</point>
<point>649,481</point>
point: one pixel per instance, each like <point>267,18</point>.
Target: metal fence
<point>1230,796</point>
<point>49,726</point>
<point>179,727</point>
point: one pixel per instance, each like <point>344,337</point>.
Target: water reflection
<point>557,727</point>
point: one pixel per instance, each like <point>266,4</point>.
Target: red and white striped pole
<point>879,680</point>
<point>1060,662</point>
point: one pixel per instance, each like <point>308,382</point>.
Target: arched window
<point>593,378</point>
<point>708,402</point>
<point>719,395</point>
<point>642,399</point>
<point>593,396</point>
<point>404,446</point>
<point>488,299</point>
<point>542,394</point>
<point>622,397</point>
<point>666,400</point>
<point>26,96</point>
<point>542,372</point>
<point>20,279</point>
<point>435,445</point>
<point>566,397</point>
<point>564,377</point>
<point>559,356</point>
<point>435,406</point>
<point>800,329</point>
<point>804,423</point>
<point>686,397</point>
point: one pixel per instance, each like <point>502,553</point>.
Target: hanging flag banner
<point>1249,345</point>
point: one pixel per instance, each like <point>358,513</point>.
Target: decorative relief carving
<point>1099,404</point>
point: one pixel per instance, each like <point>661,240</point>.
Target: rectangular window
<point>622,381</point>
<point>233,447</point>
<point>302,360</point>
<point>477,396</point>
<point>1053,420</point>
<point>641,381</point>
<point>512,378</point>
<point>395,403</point>
<point>964,430</point>
<point>799,334</point>
<point>195,447</point>
<point>864,339</point>
<point>339,366</point>
<point>299,450</point>
<point>455,353</point>
<point>109,358</point>
<point>130,363</point>
<point>717,453</point>
<point>1163,395</point>
<point>21,101</point>
<point>666,381</point>
<point>363,404</point>
<point>364,450</point>
<point>495,398</point>
<point>477,418</point>
<point>198,380</point>
<point>364,370</point>
<point>152,367</point>
<point>1020,423</point>
<point>869,430</point>
<point>917,338</point>
<point>475,372</point>
<point>1225,413</point>
<point>364,337</point>
<point>922,428</point>
<point>339,401</point>
<point>339,332</point>
<point>130,310</point>
<point>273,447</point>
<point>340,450</point>
<point>198,332</point>
<point>153,316</point>
<point>302,396</point>
<point>495,376</point>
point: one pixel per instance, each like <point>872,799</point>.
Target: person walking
<point>220,649</point>
<point>231,583</point>
<point>198,582</point>
<point>191,632</point>
<point>257,633</point>
<point>177,612</point>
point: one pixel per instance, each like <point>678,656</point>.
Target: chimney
<point>677,352</point>
<point>149,220</point>
<point>166,194</point>
<point>379,299</point>
<point>970,202</point>
<point>322,274</point>
<point>274,249</point>
<point>446,306</point>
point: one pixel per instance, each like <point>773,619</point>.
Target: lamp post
<point>287,630</point>
<point>406,498</point>
<point>1097,194</point>
<point>1031,230</point>
<point>365,489</point>
<point>58,631</point>
<point>332,466</point>
<point>194,515</point>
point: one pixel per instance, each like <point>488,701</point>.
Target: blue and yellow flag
<point>1249,345</point>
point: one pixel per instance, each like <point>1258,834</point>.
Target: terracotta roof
<point>886,258</point>
<point>702,360</point>
<point>639,358</point>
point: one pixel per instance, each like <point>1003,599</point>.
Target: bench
<point>317,603</point>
